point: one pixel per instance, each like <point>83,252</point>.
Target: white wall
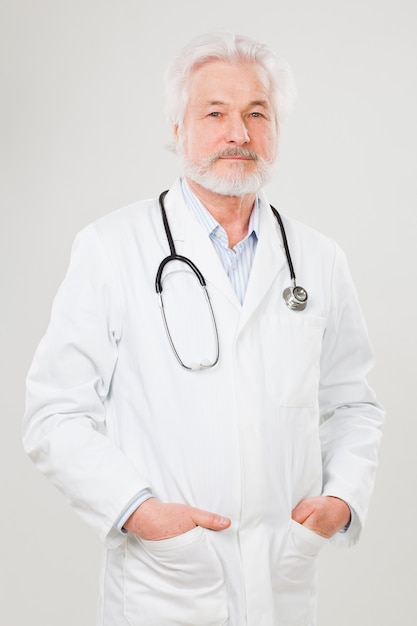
<point>83,133</point>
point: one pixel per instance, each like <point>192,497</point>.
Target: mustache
<point>231,152</point>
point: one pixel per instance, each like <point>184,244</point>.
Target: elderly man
<point>205,414</point>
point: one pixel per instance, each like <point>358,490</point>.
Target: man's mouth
<point>235,154</point>
<point>236,158</point>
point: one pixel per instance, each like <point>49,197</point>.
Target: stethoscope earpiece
<point>295,298</point>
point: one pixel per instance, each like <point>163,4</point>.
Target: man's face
<point>228,139</point>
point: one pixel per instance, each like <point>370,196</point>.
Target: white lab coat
<point>110,412</point>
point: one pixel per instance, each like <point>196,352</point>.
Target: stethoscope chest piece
<point>295,298</point>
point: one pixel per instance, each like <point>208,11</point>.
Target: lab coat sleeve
<point>64,426</point>
<point>351,419</point>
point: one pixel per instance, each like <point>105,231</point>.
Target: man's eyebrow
<point>214,102</point>
<point>262,103</point>
<point>259,103</point>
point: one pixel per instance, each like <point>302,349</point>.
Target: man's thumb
<point>210,520</point>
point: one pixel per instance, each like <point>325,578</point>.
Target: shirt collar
<point>205,218</point>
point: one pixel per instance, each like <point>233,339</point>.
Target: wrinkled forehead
<point>241,80</point>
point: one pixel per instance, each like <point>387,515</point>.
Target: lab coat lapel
<point>193,242</point>
<point>198,247</point>
<point>269,261</point>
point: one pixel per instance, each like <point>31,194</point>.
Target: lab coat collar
<point>191,241</point>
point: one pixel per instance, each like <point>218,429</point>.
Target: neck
<point>231,212</point>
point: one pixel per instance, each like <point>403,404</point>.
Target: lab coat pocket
<point>292,348</point>
<point>178,581</point>
<point>295,576</point>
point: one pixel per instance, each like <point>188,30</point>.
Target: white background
<point>83,133</point>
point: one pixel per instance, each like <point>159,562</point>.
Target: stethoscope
<point>295,296</point>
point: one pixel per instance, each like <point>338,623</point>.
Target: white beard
<point>237,182</point>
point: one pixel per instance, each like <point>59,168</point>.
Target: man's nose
<point>237,132</point>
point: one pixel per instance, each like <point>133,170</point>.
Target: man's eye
<point>256,114</point>
<point>214,114</point>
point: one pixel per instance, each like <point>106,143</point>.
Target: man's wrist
<point>130,508</point>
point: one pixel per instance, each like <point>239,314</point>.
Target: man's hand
<point>325,515</point>
<point>154,520</point>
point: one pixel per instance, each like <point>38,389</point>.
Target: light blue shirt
<point>238,261</point>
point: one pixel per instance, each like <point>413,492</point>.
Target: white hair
<point>227,47</point>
